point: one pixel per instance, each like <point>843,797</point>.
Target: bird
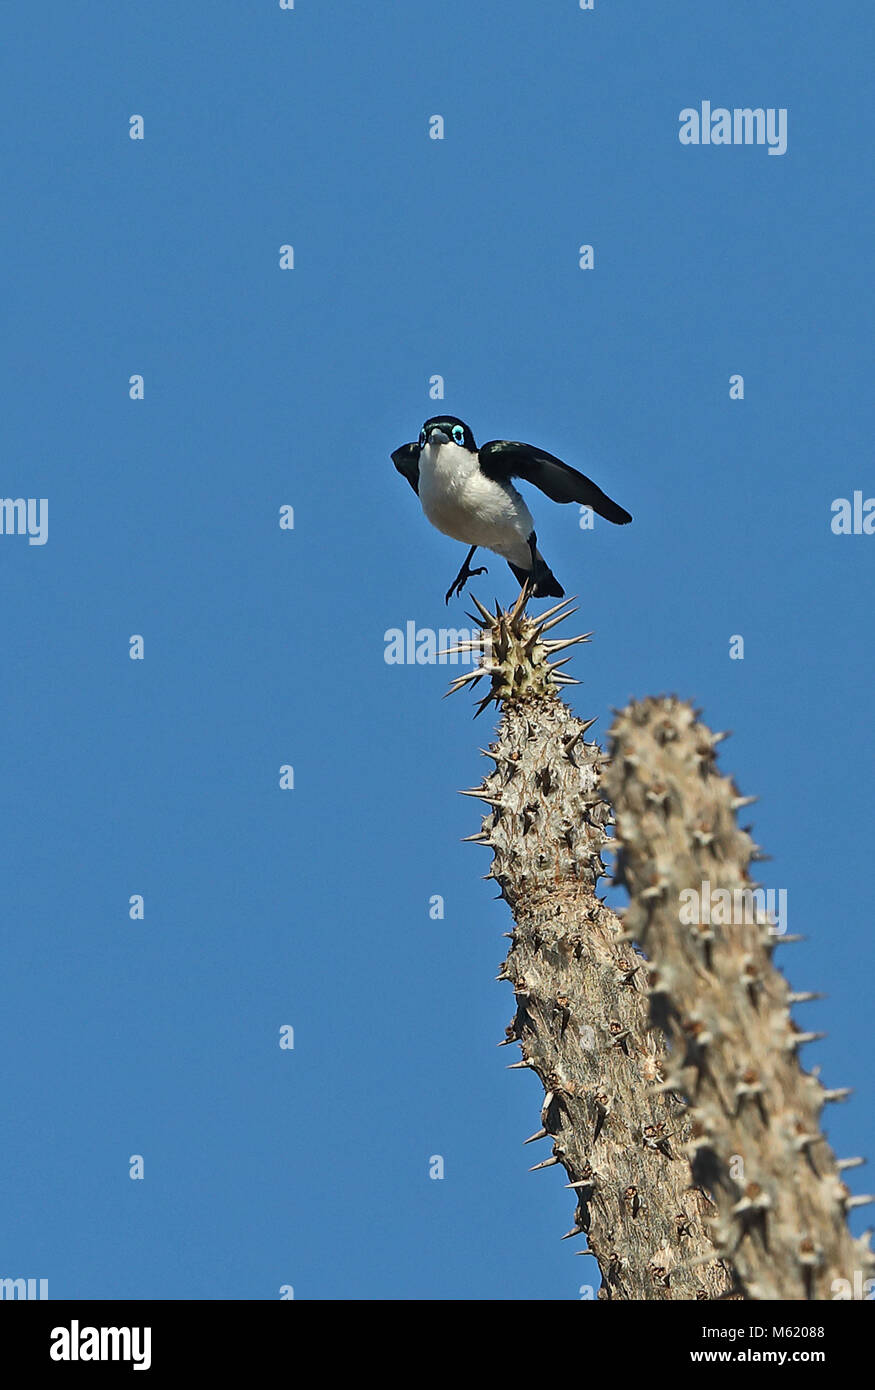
<point>468,493</point>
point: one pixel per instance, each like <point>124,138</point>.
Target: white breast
<point>460,501</point>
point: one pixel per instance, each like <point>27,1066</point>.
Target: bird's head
<point>446,429</point>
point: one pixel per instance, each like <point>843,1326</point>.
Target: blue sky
<point>264,647</point>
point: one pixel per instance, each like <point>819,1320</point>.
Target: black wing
<point>502,459</point>
<point>406,460</point>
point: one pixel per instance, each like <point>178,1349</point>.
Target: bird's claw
<point>461,580</point>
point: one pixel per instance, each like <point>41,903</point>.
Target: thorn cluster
<point>515,654</point>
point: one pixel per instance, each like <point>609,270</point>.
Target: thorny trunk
<point>617,1104</point>
<point>757,1144</point>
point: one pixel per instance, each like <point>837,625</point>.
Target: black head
<point>455,431</point>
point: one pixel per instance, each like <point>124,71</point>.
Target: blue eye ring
<point>422,439</point>
<point>458,434</point>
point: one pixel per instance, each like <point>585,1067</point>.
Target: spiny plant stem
<point>674,1098</point>
<point>582,1016</point>
<point>756,1146</point>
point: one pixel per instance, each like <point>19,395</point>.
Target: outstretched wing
<point>502,459</point>
<point>406,460</point>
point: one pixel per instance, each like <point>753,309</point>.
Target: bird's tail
<point>546,585</point>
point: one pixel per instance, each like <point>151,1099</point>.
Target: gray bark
<point>582,1016</point>
<point>673,1097</point>
<point>757,1144</point>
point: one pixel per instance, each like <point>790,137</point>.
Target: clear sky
<point>263,647</point>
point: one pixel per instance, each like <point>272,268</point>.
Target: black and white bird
<point>468,494</point>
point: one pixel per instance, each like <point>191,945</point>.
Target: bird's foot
<point>461,580</point>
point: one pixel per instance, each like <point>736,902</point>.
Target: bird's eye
<point>458,434</point>
<point>422,439</point>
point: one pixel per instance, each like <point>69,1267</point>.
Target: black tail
<point>546,583</point>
